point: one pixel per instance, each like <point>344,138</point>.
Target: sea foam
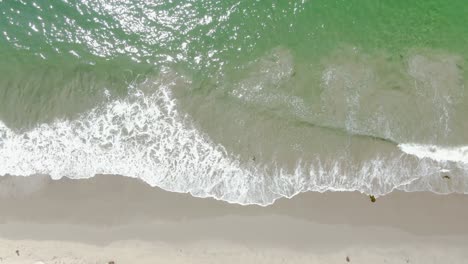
<point>437,153</point>
<point>146,137</point>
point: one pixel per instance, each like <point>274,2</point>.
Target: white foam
<point>144,136</point>
<point>437,153</point>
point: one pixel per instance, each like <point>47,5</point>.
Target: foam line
<point>144,136</point>
<point>437,153</point>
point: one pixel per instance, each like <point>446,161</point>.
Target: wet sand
<point>113,218</point>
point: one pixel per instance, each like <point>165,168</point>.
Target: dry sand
<point>119,219</point>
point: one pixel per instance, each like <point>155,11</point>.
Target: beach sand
<point>114,219</point>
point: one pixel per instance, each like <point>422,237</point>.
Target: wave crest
<point>146,137</point>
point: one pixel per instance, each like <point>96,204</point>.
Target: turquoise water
<point>244,101</point>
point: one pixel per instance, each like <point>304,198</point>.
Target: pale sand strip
<point>111,218</point>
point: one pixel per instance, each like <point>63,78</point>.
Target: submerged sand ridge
<point>114,218</point>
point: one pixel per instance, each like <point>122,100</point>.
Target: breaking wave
<point>146,137</point>
<point>437,153</point>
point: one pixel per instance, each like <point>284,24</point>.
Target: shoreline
<point>122,218</point>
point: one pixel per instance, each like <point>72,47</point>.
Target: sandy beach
<point>113,219</point>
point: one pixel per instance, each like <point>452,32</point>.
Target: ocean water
<point>242,101</point>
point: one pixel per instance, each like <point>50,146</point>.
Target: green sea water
<point>282,96</point>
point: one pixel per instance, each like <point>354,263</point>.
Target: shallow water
<point>238,100</point>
